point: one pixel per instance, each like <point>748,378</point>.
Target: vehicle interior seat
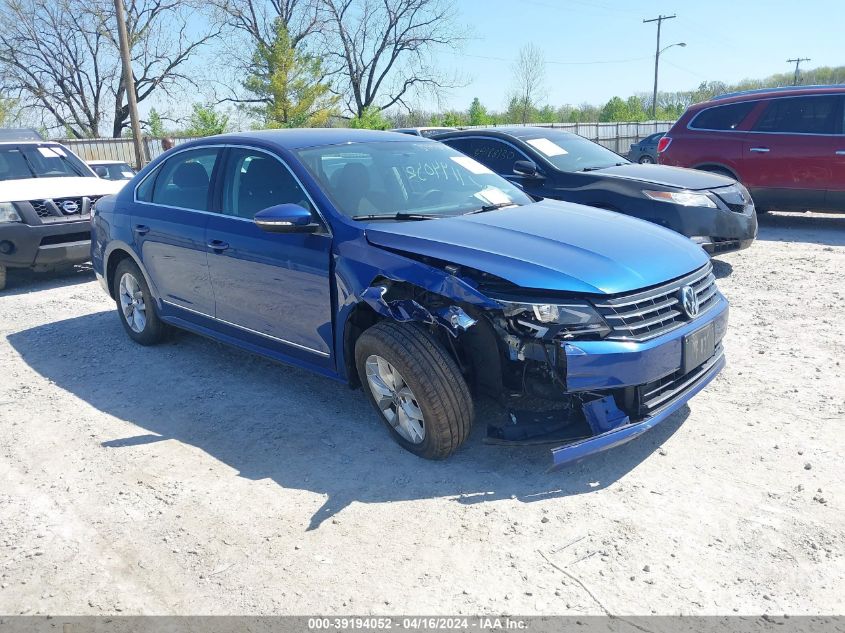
<point>266,183</point>
<point>352,184</point>
<point>190,187</point>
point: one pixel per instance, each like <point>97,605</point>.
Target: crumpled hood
<point>550,245</point>
<point>663,175</point>
<point>41,188</point>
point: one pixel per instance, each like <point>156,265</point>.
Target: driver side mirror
<point>286,218</point>
<point>526,169</point>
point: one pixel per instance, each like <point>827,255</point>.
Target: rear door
<point>835,197</point>
<point>273,286</point>
<point>790,151</point>
<point>168,221</point>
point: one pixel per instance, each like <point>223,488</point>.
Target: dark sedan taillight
<point>663,144</point>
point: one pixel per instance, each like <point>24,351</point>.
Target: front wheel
<point>135,305</point>
<point>416,387</point>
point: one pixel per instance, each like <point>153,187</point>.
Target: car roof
<point>107,162</point>
<point>521,132</point>
<point>17,134</point>
<point>765,93</point>
<point>299,138</point>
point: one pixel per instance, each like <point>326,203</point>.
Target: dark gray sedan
<point>645,152</point>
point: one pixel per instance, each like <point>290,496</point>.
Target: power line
<point>555,62</point>
<point>797,61</point>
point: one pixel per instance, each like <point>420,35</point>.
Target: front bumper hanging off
<point>653,367</point>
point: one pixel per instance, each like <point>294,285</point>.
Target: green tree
<point>155,125</point>
<point>288,84</point>
<point>371,119</point>
<point>477,114</point>
<point>206,121</point>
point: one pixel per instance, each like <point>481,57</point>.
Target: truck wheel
<point>416,387</point>
<point>2,277</point>
<point>135,305</point>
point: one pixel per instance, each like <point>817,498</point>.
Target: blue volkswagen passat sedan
<point>404,266</point>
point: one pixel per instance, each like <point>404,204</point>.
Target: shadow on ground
<point>818,228</point>
<point>298,429</point>
<point>20,281</point>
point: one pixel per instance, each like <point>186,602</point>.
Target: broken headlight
<point>570,319</point>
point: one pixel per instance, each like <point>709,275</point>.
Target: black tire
<point>645,159</point>
<point>154,330</point>
<point>440,390</point>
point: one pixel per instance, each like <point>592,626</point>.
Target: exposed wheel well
<point>114,260</point>
<point>476,350</point>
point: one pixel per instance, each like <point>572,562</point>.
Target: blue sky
<point>726,40</point>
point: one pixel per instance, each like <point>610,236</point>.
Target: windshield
<point>413,177</point>
<point>113,171</point>
<point>39,161</point>
<point>570,152</point>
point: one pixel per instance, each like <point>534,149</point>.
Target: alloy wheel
<point>132,303</point>
<point>395,399</point>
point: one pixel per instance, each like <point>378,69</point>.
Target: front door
<point>274,286</point>
<point>789,153</point>
<point>168,222</point>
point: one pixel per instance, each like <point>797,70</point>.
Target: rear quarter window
<point>726,117</point>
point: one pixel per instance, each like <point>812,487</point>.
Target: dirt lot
<point>190,478</point>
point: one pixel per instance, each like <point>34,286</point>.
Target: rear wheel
<point>645,159</point>
<point>135,305</point>
<point>416,387</point>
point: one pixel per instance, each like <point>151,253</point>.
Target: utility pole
<point>797,61</point>
<point>659,19</point>
<point>129,82</point>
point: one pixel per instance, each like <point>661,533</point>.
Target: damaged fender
<point>451,318</point>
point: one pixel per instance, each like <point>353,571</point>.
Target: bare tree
<point>381,50</point>
<point>258,19</point>
<point>161,49</point>
<point>529,75</point>
<point>60,56</point>
<point>54,57</point>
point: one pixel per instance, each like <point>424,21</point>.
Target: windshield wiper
<point>491,207</point>
<point>397,216</point>
<point>601,167</point>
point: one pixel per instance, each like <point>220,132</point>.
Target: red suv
<point>786,145</point>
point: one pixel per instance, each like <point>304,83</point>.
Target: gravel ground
<point>193,479</point>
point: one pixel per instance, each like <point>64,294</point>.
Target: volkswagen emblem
<point>689,301</point>
<point>69,207</point>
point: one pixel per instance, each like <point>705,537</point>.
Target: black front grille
<point>72,207</point>
<point>646,314</point>
<point>734,198</point>
<point>656,394</point>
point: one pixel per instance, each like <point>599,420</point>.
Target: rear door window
<point>802,115</point>
<point>184,180</point>
<point>726,117</point>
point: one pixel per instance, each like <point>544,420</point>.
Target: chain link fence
<point>617,137</point>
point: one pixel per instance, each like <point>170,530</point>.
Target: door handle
<point>218,246</point>
<point>762,150</point>
<point>840,152</point>
<point>142,229</point>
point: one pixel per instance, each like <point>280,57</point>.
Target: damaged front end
<point>560,369</point>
